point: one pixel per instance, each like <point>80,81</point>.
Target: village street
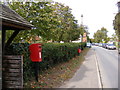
<point>60,43</point>
<point>99,70</point>
<point>108,64</point>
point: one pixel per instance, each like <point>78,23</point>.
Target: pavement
<point>87,76</point>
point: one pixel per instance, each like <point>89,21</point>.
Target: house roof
<point>13,21</point>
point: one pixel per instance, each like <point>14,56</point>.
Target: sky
<point>96,13</point>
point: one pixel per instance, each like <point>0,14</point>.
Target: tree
<point>92,40</point>
<point>116,24</point>
<point>68,28</point>
<point>101,35</point>
<point>52,21</point>
<point>39,14</point>
<point>114,37</point>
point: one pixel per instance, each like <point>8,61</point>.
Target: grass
<point>55,76</point>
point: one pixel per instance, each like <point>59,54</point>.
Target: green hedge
<point>52,54</point>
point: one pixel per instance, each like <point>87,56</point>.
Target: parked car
<point>111,46</point>
<point>88,44</point>
<point>96,44</point>
<point>118,47</point>
<point>104,45</point>
<point>119,51</point>
<point>100,44</point>
<point>93,43</point>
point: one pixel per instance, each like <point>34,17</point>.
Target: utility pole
<point>84,36</point>
<point>81,19</point>
<point>81,36</point>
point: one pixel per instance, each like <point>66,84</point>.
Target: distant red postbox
<point>79,50</point>
<point>35,52</point>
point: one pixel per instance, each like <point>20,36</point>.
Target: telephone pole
<point>81,19</point>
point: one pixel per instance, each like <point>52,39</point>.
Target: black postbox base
<point>36,68</point>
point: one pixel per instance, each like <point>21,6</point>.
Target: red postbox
<point>35,52</point>
<point>79,50</point>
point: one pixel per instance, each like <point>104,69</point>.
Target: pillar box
<point>35,52</point>
<point>79,50</point>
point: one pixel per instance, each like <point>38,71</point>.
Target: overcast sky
<point>96,13</point>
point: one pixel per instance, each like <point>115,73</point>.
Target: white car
<point>111,46</point>
<point>88,45</point>
<point>100,44</point>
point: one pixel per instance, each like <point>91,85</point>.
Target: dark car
<point>118,50</point>
<point>104,45</point>
<point>119,47</point>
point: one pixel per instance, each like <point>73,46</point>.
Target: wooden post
<point>12,38</point>
<point>3,40</point>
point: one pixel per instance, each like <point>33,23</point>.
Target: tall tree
<point>68,26</point>
<point>101,35</point>
<point>114,37</point>
<point>52,21</point>
<point>39,14</point>
<point>116,24</point>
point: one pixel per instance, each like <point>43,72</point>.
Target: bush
<point>22,49</point>
<point>52,54</point>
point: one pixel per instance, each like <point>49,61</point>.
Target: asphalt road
<point>108,66</point>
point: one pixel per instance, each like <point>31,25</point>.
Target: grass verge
<point>55,76</point>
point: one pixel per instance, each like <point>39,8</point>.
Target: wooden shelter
<point>12,65</point>
<point>12,21</point>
